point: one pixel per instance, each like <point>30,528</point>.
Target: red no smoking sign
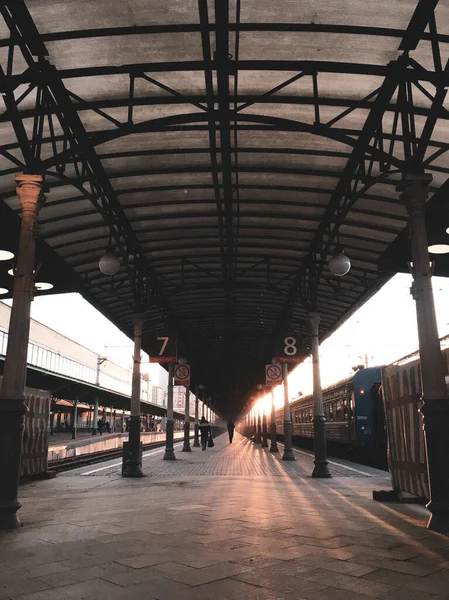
<point>273,374</point>
<point>182,375</point>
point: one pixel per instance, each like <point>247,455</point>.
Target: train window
<point>339,416</point>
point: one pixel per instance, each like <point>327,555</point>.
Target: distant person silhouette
<point>231,428</point>
<point>205,430</point>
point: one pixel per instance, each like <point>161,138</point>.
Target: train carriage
<point>354,414</point>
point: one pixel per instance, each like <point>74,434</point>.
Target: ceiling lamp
<point>110,263</point>
<point>3,291</point>
<point>339,264</point>
<point>438,249</point>
<point>6,255</point>
<point>42,286</point>
<point>11,272</point>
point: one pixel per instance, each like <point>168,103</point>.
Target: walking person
<point>231,428</point>
<point>205,431</point>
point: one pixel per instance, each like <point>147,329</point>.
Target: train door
<point>379,423</point>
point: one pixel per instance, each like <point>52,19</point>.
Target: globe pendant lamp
<point>6,255</point>
<point>109,263</point>
<point>339,263</point>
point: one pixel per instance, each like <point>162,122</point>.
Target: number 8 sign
<point>287,350</point>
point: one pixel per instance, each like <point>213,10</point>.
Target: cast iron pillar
<point>264,430</point>
<point>321,468</point>
<point>75,419</point>
<point>133,465</point>
<point>95,419</point>
<point>288,426</point>
<point>435,408</point>
<point>12,398</point>
<point>258,436</point>
<point>273,433</point>
<point>196,428</point>
<point>169,453</point>
<point>186,446</point>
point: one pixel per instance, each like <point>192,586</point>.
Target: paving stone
<point>171,568</point>
<point>13,589</point>
<point>279,582</point>
<point>85,574</point>
<point>358,585</point>
<point>208,574</point>
<point>401,566</point>
<point>337,566</point>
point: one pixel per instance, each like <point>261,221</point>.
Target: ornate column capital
<point>30,193</point>
<point>415,189</point>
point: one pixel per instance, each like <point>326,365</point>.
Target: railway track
<point>74,462</point>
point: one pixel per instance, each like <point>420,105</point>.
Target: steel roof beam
<point>241,27</point>
<point>307,66</point>
<point>248,99</point>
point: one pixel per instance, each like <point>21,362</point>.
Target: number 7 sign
<point>162,348</point>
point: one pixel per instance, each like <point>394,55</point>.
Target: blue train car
<point>369,421</point>
<point>354,414</point>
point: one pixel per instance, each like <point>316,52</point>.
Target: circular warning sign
<point>182,374</point>
<point>273,374</point>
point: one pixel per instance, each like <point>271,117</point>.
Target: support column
<point>321,468</point>
<point>273,433</point>
<point>186,446</point>
<point>169,453</point>
<point>95,419</point>
<point>258,436</point>
<point>133,465</point>
<point>254,425</point>
<point>12,398</point>
<point>75,419</point>
<point>264,430</point>
<point>196,440</point>
<point>435,408</point>
<point>288,426</point>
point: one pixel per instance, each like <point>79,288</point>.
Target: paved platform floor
<point>233,522</point>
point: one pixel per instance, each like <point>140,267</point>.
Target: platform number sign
<point>162,348</point>
<point>287,350</point>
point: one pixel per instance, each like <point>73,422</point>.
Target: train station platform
<point>232,522</point>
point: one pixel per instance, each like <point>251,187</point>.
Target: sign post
<point>287,353</point>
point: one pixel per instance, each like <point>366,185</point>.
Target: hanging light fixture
<point>109,263</point>
<point>339,263</point>
<point>3,291</point>
<point>42,286</point>
<point>438,249</point>
<point>6,255</point>
<point>438,239</point>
